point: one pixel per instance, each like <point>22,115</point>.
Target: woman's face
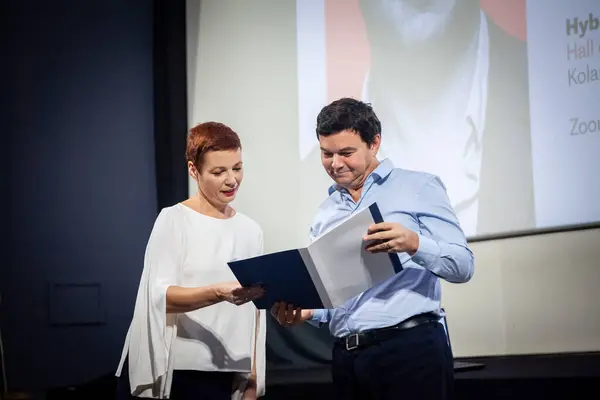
<point>220,175</point>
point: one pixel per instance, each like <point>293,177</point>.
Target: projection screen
<point>501,99</point>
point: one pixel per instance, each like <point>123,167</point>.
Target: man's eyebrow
<point>345,149</point>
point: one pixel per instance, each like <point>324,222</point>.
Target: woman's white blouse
<point>190,249</point>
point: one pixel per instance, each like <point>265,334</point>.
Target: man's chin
<point>342,181</point>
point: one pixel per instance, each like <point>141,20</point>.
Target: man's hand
<point>288,315</point>
<point>391,238</point>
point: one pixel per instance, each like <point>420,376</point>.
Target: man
<point>388,342</point>
<point>445,58</point>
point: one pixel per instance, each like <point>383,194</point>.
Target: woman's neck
<point>202,205</point>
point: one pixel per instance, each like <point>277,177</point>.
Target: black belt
<point>369,338</point>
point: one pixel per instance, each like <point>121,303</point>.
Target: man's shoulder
<point>412,174</point>
<point>410,179</point>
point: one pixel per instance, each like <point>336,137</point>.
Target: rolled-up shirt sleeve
<point>443,248</point>
<point>321,316</point>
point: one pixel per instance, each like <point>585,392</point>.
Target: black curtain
<point>170,101</point>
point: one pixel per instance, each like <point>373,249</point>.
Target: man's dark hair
<point>349,114</point>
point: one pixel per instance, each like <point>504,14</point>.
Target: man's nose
<point>336,163</point>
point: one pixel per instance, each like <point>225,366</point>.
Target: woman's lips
<point>229,193</point>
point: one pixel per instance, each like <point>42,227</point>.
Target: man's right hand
<point>288,315</point>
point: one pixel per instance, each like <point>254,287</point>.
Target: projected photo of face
<point>448,80</point>
<point>412,21</point>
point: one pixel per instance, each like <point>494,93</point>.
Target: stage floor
<point>531,377</point>
<point>567,376</point>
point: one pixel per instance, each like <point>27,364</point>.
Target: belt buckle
<point>352,344</point>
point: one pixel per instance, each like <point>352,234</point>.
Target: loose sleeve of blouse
<point>153,330</point>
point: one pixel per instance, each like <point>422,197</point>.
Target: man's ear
<point>376,143</point>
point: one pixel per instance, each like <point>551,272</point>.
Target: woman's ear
<point>192,170</point>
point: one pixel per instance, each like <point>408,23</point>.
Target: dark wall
<point>78,125</point>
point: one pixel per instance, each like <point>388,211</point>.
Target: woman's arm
<point>164,258</point>
<point>182,299</point>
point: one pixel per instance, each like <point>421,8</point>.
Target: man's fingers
<point>297,315</point>
<point>381,247</point>
<point>382,226</point>
<point>289,318</point>
<point>281,313</point>
<point>383,235</point>
<point>274,310</point>
<point>286,314</point>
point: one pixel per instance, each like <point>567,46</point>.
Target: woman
<point>194,333</point>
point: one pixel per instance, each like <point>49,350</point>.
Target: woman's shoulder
<point>170,212</point>
<point>168,217</point>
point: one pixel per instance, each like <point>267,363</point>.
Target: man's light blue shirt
<point>418,201</point>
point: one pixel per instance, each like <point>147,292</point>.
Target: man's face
<point>347,159</point>
<point>412,21</point>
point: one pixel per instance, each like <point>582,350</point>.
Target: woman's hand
<point>234,293</point>
<point>251,392</point>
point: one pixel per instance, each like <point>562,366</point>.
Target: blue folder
<point>285,276</point>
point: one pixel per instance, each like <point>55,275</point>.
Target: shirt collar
<point>384,168</point>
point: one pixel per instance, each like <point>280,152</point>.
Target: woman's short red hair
<point>210,136</point>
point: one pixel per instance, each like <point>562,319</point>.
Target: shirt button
<point>422,262</point>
